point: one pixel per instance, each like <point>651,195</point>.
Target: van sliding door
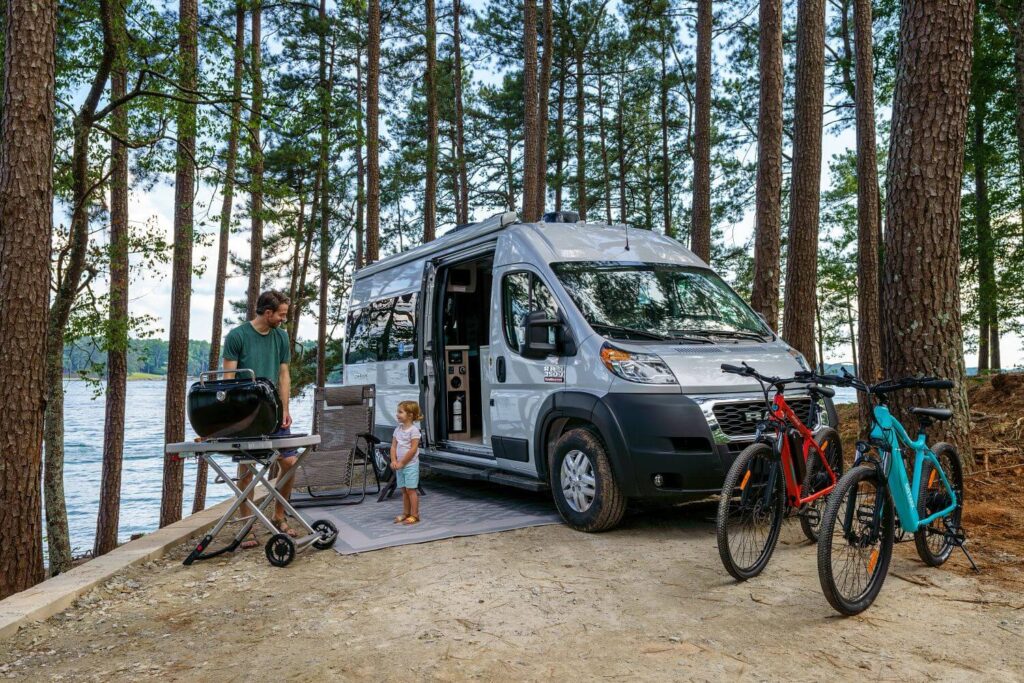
<point>425,342</point>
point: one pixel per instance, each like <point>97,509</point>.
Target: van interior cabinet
<point>459,381</point>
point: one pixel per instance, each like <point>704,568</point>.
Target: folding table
<point>258,455</point>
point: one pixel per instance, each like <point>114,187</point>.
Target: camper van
<point>576,357</point>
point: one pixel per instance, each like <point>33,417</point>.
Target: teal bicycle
<point>859,524</point>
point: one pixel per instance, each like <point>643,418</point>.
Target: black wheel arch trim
<point>588,407</point>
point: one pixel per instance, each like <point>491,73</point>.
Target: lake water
<point>142,474</point>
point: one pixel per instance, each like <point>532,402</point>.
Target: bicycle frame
<point>887,429</point>
<point>782,416</point>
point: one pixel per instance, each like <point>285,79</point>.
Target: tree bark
<point>26,221</point>
<point>228,193</point>
<point>430,193</point>
<point>921,296</point>
<point>666,165</point>
<point>1018,92</point>
<point>560,127</point>
<point>620,140</point>
<point>256,163</point>
<point>531,128</point>
<point>544,91</point>
<point>869,227</point>
<point>360,163</point>
<point>372,128</point>
<point>603,138</point>
<point>768,215</point>
<point>802,253</point>
<point>325,178</point>
<point>181,279</point>
<point>68,286</point>
<point>299,302</point>
<point>117,331</point>
<point>581,161</point>
<point>462,203</point>
<point>700,242</point>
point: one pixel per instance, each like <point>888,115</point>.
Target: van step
<point>481,474</point>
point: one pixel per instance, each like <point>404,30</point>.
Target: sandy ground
<point>647,601</point>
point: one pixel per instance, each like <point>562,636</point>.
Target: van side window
<point>522,293</point>
<point>401,343</point>
<point>383,330</point>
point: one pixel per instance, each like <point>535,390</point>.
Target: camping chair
<point>344,419</point>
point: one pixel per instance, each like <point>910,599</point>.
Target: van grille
<point>732,417</point>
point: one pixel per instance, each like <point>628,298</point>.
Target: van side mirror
<point>543,335</point>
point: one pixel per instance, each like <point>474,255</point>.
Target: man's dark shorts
<point>291,452</point>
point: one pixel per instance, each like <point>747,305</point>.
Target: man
<point>262,345</point>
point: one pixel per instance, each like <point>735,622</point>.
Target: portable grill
<point>258,455</point>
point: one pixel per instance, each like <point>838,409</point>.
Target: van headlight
<point>644,368</point>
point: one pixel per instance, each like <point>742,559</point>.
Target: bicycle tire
<point>929,500</point>
<point>877,562</point>
<point>817,479</point>
<point>753,466</point>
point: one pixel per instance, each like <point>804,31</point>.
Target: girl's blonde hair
<point>412,409</point>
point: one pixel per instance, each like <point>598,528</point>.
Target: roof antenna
<point>625,227</point>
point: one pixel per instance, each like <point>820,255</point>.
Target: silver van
<point>574,357</point>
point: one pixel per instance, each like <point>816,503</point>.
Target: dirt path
<point>648,601</point>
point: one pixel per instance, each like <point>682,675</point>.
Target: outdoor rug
<point>450,508</point>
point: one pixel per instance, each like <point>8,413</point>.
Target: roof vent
<point>561,217</point>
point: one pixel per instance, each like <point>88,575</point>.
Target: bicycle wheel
<point>750,511</point>
<point>817,479</point>
<point>931,541</point>
<point>855,544</point>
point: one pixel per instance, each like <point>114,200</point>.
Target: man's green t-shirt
<point>261,353</point>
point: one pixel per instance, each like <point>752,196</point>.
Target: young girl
<point>405,461</point>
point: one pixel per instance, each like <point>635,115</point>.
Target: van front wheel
<point>585,491</point>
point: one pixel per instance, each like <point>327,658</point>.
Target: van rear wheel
<point>584,488</point>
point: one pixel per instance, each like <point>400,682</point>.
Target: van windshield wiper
<point>743,334</point>
<point>690,336</point>
<point>628,330</point>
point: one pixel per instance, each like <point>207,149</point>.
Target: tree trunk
<point>768,215</point>
<point>228,193</point>
<point>869,226</point>
<point>299,242</point>
<point>922,237</point>
<point>531,129</point>
<point>802,254</point>
<point>360,162</point>
<point>853,335</point>
<point>603,137</point>
<point>256,163</point>
<point>700,242</point>
<point>1018,92</point>
<point>819,336</point>
<point>462,203</point>
<point>68,285</point>
<point>181,279</point>
<point>544,91</point>
<point>620,140</point>
<point>666,165</point>
<point>372,128</point>
<point>430,193</point>
<point>117,334</point>
<point>295,310</point>
<point>325,179</point>
<point>983,222</point>
<point>581,161</point>
<point>560,129</point>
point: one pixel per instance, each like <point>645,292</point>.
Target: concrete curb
<point>57,594</point>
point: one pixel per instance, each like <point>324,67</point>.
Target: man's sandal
<point>283,527</point>
<point>411,519</point>
<point>250,541</point>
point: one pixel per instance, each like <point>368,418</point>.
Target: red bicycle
<point>787,468</point>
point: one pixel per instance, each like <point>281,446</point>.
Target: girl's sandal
<point>411,519</point>
<point>400,518</point>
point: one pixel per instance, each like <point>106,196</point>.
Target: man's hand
<point>286,422</point>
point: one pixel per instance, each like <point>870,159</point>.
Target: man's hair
<point>270,300</point>
<point>412,409</point>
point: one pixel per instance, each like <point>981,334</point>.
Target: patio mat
<point>450,508</point>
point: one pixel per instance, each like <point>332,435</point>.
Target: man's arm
<point>284,383</point>
<point>230,364</point>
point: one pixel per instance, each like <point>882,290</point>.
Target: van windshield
<point>657,301</point>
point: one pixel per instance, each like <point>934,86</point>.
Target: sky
<point>150,292</point>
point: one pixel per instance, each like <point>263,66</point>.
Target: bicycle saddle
<point>941,414</point>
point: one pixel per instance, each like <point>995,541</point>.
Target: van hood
<point>698,367</point>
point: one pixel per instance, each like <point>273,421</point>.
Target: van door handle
<point>412,372</point>
<point>499,368</point>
